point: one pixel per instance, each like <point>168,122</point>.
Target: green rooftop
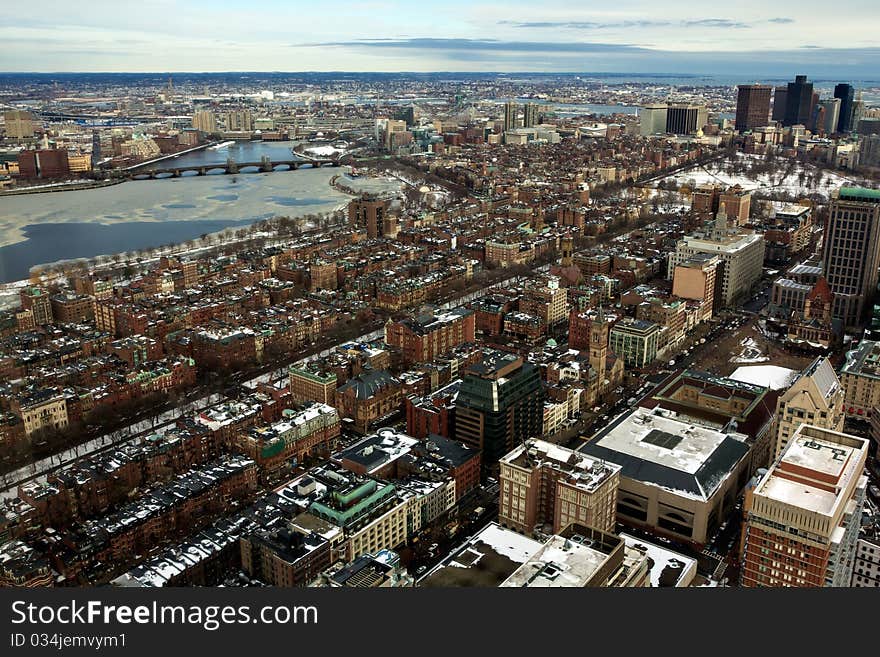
<point>860,193</point>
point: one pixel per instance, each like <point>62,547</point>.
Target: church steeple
<point>599,343</point>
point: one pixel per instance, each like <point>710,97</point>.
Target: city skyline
<point>49,36</point>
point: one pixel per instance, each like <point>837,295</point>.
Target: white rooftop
<point>809,467</point>
<point>663,559</point>
<point>697,443</point>
<point>559,563</point>
<point>769,376</point>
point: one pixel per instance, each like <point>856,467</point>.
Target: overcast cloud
<point>675,36</point>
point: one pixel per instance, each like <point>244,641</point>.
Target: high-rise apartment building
<point>798,102</point>
<point>816,398</point>
<point>19,124</point>
<point>368,213</point>
<point>239,121</point>
<point>544,484</point>
<point>852,251</point>
<point>205,121</point>
<point>510,112</point>
<point>803,516</point>
<point>530,115</point>
<point>752,106</point>
<point>499,405</point>
<point>846,94</point>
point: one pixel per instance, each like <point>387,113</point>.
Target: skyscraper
<point>752,106</point>
<point>683,119</point>
<point>509,116</point>
<point>798,101</point>
<point>858,111</point>
<point>832,115</point>
<point>846,94</point>
<point>803,516</point>
<point>780,96</point>
<point>204,121</point>
<point>530,115</point>
<point>652,119</point>
<point>852,251</point>
<point>499,405</point>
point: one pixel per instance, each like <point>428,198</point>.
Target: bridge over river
<point>265,164</point>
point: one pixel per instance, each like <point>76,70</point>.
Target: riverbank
<point>72,186</point>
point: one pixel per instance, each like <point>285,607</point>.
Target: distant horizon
<point>532,74</point>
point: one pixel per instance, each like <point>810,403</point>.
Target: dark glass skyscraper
<point>752,106</point>
<point>500,404</point>
<point>846,93</point>
<point>779,98</point>
<point>798,102</point>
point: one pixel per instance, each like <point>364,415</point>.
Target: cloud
<point>724,23</point>
<point>428,43</point>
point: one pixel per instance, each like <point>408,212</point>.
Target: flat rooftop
<point>584,472</point>
<point>815,473</point>
<point>665,567</point>
<point>561,562</point>
<point>488,558</point>
<point>656,446</point>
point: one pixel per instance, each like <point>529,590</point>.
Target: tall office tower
<point>530,115</point>
<point>780,96</point>
<point>509,116</point>
<point>204,121</point>
<point>752,106</point>
<point>858,111</point>
<point>500,404</point>
<point>682,119</point>
<point>19,124</point>
<point>652,119</point>
<point>803,516</point>
<point>239,120</point>
<point>96,149</point>
<point>816,397</point>
<point>852,252</point>
<point>845,93</point>
<point>798,101</point>
<point>832,115</point>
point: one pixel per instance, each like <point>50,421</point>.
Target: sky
<point>745,37</point>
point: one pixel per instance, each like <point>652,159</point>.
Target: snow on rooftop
<point>508,543</point>
<point>769,376</point>
<point>662,560</point>
<point>560,562</point>
<point>697,443</point>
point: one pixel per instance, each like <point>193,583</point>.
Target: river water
<point>47,227</point>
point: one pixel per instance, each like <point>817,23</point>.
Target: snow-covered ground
<point>323,151</point>
<point>769,376</point>
<point>751,352</point>
<point>801,180</point>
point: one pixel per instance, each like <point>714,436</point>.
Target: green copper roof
<point>856,193</point>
